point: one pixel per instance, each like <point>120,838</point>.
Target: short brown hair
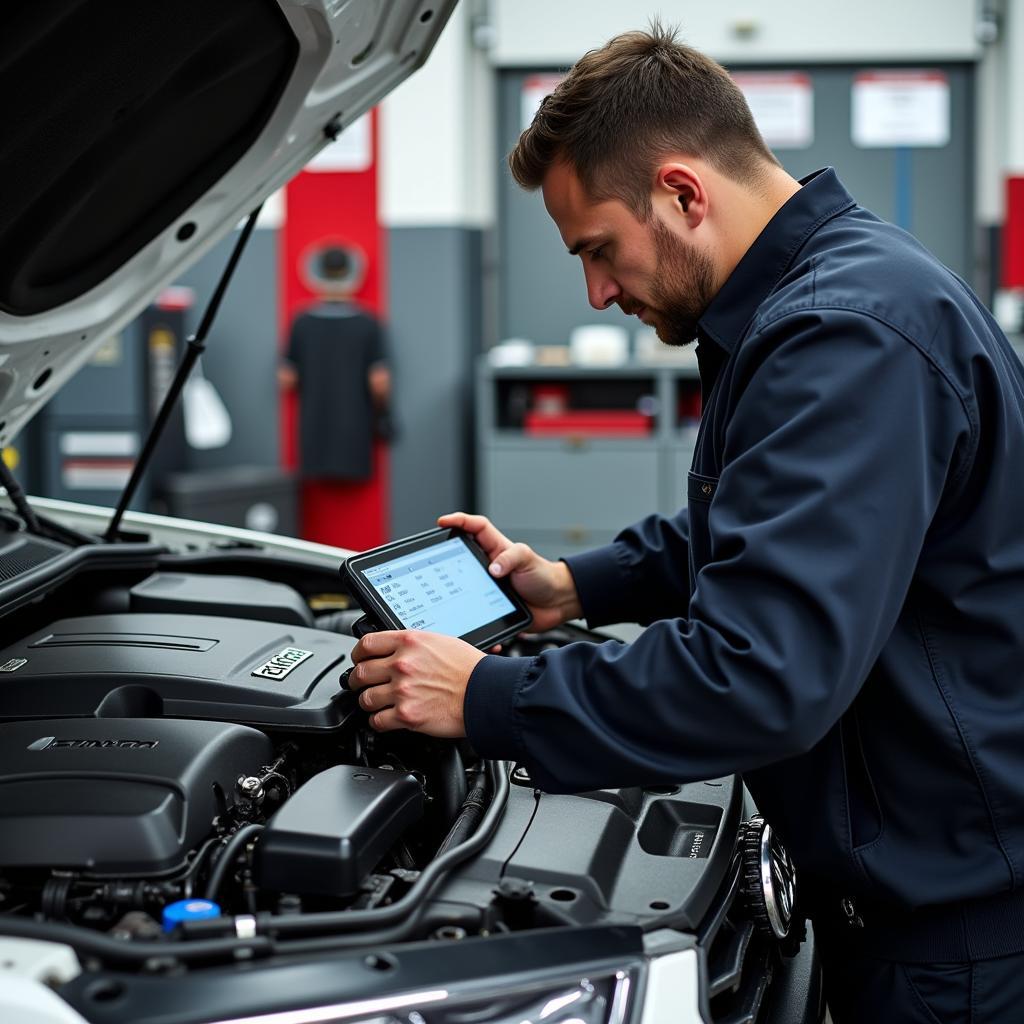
<point>639,97</point>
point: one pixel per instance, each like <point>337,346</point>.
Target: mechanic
<point>838,613</point>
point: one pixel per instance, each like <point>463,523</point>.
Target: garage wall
<point>531,33</point>
<point>541,288</point>
<point>435,332</point>
<point>985,34</point>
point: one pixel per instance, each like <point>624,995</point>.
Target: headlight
<point>662,990</point>
<point>590,999</point>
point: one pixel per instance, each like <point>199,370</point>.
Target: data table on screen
<point>443,590</point>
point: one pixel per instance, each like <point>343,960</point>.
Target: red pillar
<point>335,207</point>
<point>1013,234</point>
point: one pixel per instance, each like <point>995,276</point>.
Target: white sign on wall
<point>535,88</point>
<point>782,104</point>
<point>900,108</point>
<point>352,150</point>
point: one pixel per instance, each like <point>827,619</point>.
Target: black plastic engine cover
<point>236,597</point>
<point>179,666</point>
<point>116,795</point>
<point>336,827</point>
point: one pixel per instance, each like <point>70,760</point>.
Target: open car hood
<point>138,134</point>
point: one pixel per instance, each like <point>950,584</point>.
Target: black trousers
<point>863,990</point>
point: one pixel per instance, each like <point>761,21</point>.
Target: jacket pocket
<point>700,492</point>
<point>861,797</point>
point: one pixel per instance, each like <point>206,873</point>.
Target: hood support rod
<point>196,346</point>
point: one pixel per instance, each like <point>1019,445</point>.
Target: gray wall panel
<point>936,185</point>
<point>434,332</point>
<point>541,291</point>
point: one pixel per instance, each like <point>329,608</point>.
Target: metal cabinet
<point>575,489</point>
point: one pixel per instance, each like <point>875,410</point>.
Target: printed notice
<point>782,104</point>
<point>900,108</point>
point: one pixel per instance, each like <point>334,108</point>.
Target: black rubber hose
<point>303,944</point>
<point>206,850</point>
<point>94,944</point>
<point>231,850</point>
<point>404,912</point>
<point>469,815</point>
<point>452,791</point>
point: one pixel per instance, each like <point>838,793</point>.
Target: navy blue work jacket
<point>839,614</point>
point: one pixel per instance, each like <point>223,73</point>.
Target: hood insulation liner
<point>118,115</point>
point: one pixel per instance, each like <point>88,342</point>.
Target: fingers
<point>419,684</point>
<point>377,698</point>
<point>487,535</point>
<point>380,702</point>
<point>386,721</point>
<point>377,645</point>
<point>371,678</point>
<point>372,672</point>
<point>463,521</point>
<point>517,556</point>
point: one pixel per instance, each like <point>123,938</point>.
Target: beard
<point>683,288</point>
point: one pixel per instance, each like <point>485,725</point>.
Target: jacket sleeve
<point>835,459</point>
<point>643,575</point>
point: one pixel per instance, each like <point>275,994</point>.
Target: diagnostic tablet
<point>436,581</point>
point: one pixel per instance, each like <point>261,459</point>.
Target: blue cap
<point>188,910</point>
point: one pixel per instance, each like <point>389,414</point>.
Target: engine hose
<point>452,790</point>
<point>194,868</point>
<point>468,918</point>
<point>89,943</point>
<point>471,812</point>
<point>403,913</point>
<point>224,862</point>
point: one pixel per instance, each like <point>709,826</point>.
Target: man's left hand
<point>408,679</point>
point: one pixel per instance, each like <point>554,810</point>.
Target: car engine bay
<point>186,784</point>
<point>144,753</point>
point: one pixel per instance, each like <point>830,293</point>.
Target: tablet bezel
<point>494,632</point>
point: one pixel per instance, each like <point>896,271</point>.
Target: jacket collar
<point>821,197</point>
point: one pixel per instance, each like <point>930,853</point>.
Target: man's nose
<point>602,289</point>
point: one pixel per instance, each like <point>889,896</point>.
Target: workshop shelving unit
<point>563,488</point>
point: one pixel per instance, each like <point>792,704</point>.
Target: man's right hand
<point>547,587</point>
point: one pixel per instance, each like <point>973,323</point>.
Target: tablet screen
<point>442,588</point>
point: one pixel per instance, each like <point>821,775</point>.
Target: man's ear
<point>682,185</point>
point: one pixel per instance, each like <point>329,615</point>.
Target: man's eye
<point>596,254</point>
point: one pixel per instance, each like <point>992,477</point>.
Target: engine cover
<point>116,795</point>
<point>179,666</point>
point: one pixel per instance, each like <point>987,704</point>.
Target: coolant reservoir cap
<point>188,910</point>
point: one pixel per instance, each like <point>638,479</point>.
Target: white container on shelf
<point>512,352</point>
<point>599,345</point>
